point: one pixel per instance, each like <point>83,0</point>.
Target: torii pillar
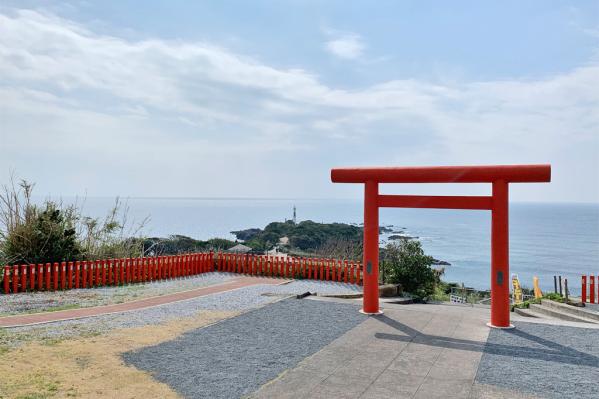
<point>498,175</point>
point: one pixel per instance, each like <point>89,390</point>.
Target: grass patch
<point>92,368</point>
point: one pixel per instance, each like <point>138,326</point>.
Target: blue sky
<point>262,98</point>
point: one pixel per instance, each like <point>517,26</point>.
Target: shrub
<point>554,297</point>
<point>406,263</point>
<point>47,235</point>
<point>53,232</point>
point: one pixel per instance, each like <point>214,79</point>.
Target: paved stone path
<point>48,317</point>
<point>415,351</point>
<point>234,357</point>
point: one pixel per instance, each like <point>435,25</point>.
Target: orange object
<point>15,279</point>
<point>23,274</point>
<point>31,273</point>
<point>63,275</point>
<point>40,276</point>
<point>84,274</point>
<point>105,266</point>
<point>55,276</point>
<point>70,274</point>
<point>500,176</point>
<point>5,279</point>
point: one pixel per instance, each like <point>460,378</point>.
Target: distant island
<point>306,238</point>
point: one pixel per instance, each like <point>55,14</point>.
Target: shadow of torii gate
<point>499,176</point>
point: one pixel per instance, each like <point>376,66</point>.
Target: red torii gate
<point>499,176</point>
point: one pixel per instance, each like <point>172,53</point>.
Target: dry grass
<point>91,367</point>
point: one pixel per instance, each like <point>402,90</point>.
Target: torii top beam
<point>444,174</point>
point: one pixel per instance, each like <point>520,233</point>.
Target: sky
<point>263,98</point>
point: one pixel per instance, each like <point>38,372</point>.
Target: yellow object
<point>535,284</point>
<point>517,290</point>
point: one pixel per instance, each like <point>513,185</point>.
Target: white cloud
<point>131,113</point>
<point>349,46</point>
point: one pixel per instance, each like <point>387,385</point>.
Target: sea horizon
<point>546,238</point>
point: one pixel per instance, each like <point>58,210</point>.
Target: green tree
<point>406,263</point>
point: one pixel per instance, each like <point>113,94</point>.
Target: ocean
<point>545,239</point>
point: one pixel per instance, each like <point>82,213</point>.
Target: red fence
<point>111,272</point>
<point>588,285</point>
<point>288,267</point>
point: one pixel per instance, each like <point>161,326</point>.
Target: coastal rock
<point>390,290</point>
<point>401,237</point>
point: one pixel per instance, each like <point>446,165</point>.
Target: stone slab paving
<point>438,351</point>
<point>409,352</point>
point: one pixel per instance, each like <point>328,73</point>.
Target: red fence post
<point>15,279</point>
<point>127,271</point>
<point>90,273</point>
<point>345,271</point>
<point>333,269</point>
<point>77,271</point>
<point>154,264</point>
<point>55,276</point>
<point>5,277</point>
<point>105,266</point>
<point>99,267</point>
<point>32,276</point>
<point>23,275</point>
<point>40,276</point>
<point>63,275</point>
<point>70,274</point>
<point>84,274</point>
<point>111,271</point>
<point>583,295</point>
<point>592,289</point>
<point>321,269</point>
<point>143,269</point>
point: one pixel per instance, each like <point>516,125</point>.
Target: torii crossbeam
<point>498,175</point>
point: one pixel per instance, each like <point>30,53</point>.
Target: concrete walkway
<point>415,351</point>
<point>49,317</point>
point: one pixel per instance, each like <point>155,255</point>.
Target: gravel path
<point>546,360</point>
<point>236,300</point>
<point>235,357</point>
<point>43,301</point>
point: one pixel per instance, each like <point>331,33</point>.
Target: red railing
<point>111,272</point>
<point>588,285</point>
<point>288,267</point>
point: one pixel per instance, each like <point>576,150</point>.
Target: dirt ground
<point>91,367</point>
